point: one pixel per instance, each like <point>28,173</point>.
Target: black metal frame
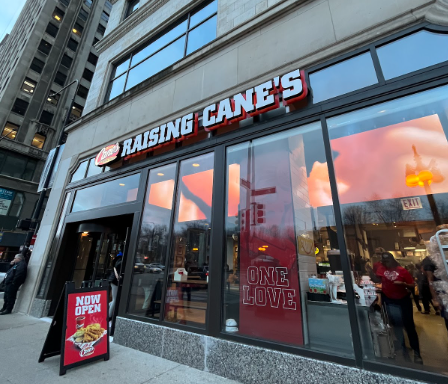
<point>418,81</point>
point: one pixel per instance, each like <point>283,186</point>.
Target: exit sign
<point>411,203</point>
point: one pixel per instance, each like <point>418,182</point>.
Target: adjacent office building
<point>51,44</point>
<point>238,151</point>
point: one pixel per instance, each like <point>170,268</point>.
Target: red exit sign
<point>411,203</point>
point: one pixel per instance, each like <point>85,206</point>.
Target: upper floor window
<point>132,6</point>
<point>53,99</point>
<point>92,59</point>
<point>10,130</point>
<point>20,106</point>
<point>37,65</point>
<point>28,85</point>
<point>16,165</point>
<point>88,3</point>
<point>65,2</point>
<point>58,15</point>
<point>66,61</point>
<point>38,140</point>
<point>44,47</point>
<point>104,16</point>
<point>76,112</point>
<point>101,29</point>
<point>72,44</point>
<point>60,78</point>
<point>188,34</point>
<point>46,117</point>
<point>83,14</point>
<point>52,30</point>
<point>77,29</point>
<point>108,6</point>
<point>88,75</point>
<point>82,92</point>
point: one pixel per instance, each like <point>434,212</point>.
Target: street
<point>22,338</point>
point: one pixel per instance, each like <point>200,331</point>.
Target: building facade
<point>275,174</point>
<point>50,45</point>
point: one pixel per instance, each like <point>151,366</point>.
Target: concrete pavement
<point>21,341</point>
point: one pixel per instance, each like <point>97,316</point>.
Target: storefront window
<point>187,290</point>
<point>149,264</point>
<point>110,193</point>
<point>391,165</point>
<point>280,238</point>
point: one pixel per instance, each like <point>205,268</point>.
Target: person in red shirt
<point>396,284</point>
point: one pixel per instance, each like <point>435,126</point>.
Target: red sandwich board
<point>79,331</point>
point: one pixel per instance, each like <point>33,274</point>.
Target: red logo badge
<point>107,155</point>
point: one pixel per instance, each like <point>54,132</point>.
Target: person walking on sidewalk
<point>15,277</point>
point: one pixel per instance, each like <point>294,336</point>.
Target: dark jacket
<point>112,278</point>
<point>16,275</point>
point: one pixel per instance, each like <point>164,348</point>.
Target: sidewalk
<point>21,341</point>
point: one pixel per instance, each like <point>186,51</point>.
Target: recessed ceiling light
<point>195,165</point>
<point>160,174</point>
<point>121,185</point>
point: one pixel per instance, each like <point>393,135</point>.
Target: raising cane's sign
<point>287,89</point>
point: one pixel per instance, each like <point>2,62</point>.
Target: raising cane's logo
<point>86,351</point>
<point>107,155</point>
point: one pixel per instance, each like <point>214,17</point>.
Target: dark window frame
<point>187,31</point>
<point>28,160</point>
<point>17,108</point>
<point>58,78</point>
<point>82,91</point>
<point>130,4</point>
<point>65,59</point>
<point>92,59</point>
<point>36,63</point>
<point>43,43</point>
<point>52,29</point>
<point>88,75</point>
<point>45,118</point>
<point>72,44</point>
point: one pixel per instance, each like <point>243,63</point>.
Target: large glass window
<point>18,166</point>
<point>187,289</point>
<point>413,52</point>
<point>280,238</point>
<point>197,28</point>
<point>10,130</point>
<point>113,192</point>
<point>391,165</point>
<point>150,260</point>
<point>80,172</point>
<point>344,77</point>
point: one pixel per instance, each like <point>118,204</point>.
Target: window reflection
<point>149,265</point>
<point>344,77</point>
<point>279,240</point>
<point>187,290</point>
<point>202,35</point>
<point>110,193</point>
<point>417,51</point>
<point>393,196</point>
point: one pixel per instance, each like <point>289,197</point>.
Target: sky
<point>10,11</point>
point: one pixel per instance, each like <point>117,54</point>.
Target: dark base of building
<point>237,361</point>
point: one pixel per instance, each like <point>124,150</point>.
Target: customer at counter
<point>396,284</point>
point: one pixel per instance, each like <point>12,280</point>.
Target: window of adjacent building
<point>44,47</point>
<point>82,92</point>
<point>28,85</point>
<point>53,99</point>
<point>87,74</point>
<point>411,53</point>
<point>72,44</point>
<point>104,16</point>
<point>80,172</point>
<point>113,192</point>
<point>52,30</point>
<point>108,6</point>
<point>392,198</point>
<point>20,106</point>
<point>16,165</point>
<point>76,111</point>
<point>197,28</point>
<point>65,2</point>
<point>344,77</point>
<point>58,15</point>
<point>77,29</point>
<point>132,6</point>
<point>46,117</point>
<point>37,65</point>
<point>60,78</point>
<point>38,140</point>
<point>95,40</point>
<point>101,29</point>
<point>92,59</point>
<point>66,61</point>
<point>88,3</point>
<point>83,14</point>
<point>10,130</point>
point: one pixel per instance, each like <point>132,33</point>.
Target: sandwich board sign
<point>79,331</point>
